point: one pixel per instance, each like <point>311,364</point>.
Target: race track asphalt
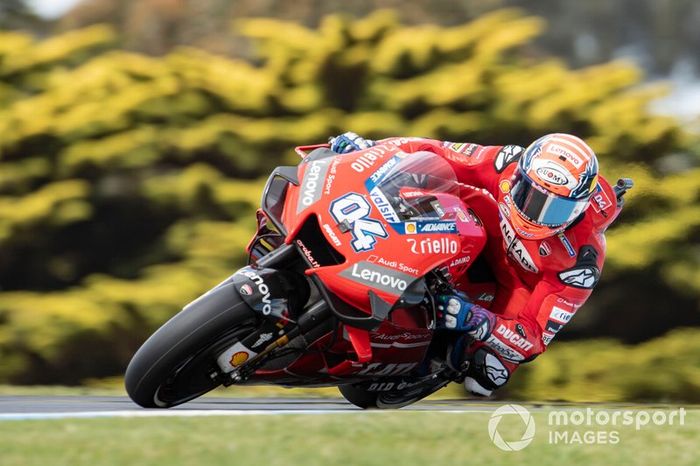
<point>48,407</point>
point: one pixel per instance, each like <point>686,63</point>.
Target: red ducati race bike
<point>349,253</point>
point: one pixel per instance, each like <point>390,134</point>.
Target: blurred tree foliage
<point>128,183</point>
<point>660,34</point>
<point>664,369</point>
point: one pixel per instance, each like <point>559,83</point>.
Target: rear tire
<point>173,366</point>
<point>360,396</point>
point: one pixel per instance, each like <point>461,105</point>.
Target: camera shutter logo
<point>526,418</point>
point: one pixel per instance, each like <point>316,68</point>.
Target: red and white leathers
<point>535,286</point>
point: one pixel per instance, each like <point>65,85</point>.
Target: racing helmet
<point>552,185</point>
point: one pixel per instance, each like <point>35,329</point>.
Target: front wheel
<point>174,365</point>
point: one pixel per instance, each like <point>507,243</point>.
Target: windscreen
<point>407,185</point>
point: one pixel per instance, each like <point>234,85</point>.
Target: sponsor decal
<point>504,350</point>
<point>585,273</point>
<point>601,201</point>
<point>523,234</point>
<point>506,156</point>
<point>410,228</point>
<point>239,358</point>
<point>514,338</point>
<point>437,227</point>
<point>495,370</point>
<point>461,215</point>
<point>562,151</point>
<point>461,147</point>
<point>580,277</point>
<point>246,290</point>
<point>263,338</point>
<point>567,245</point>
<point>234,357</point>
<point>331,234</point>
<point>413,194</point>
<point>561,315</point>
<point>547,338</point>
<point>378,368</point>
<point>486,297</point>
<point>504,186</point>
<point>552,175</point>
<point>460,261</point>
<point>263,289</point>
<point>383,206</point>
<point>401,336</point>
<point>308,254</point>
<point>567,303</point>
<point>433,246</point>
<point>545,249</point>
<point>331,176</point>
<point>505,211</point>
<point>521,331</point>
<point>553,327</point>
<point>438,208</point>
<point>353,211</point>
<point>375,177</point>
<point>515,249</point>
<point>368,159</point>
<point>378,277</point>
<point>394,264</point>
<point>311,185</point>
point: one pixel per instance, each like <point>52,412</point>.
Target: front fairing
<point>391,215</point>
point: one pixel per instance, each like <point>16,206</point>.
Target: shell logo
<point>504,186</point>
<point>411,228</point>
<point>239,358</point>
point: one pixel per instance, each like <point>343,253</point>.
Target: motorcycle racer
<point>545,211</point>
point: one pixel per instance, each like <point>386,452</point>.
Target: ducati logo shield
<point>263,290</point>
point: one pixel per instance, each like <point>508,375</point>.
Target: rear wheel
<point>174,365</point>
<point>360,395</point>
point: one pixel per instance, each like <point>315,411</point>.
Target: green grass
<point>363,438</point>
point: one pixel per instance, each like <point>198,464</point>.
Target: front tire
<point>173,366</point>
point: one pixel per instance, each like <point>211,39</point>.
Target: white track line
<point>203,413</point>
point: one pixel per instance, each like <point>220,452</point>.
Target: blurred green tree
<point>128,183</point>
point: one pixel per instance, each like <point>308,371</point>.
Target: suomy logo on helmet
<point>552,175</point>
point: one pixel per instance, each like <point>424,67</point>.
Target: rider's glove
<point>349,142</point>
<point>458,313</point>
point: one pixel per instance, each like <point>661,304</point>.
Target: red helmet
<point>552,185</point>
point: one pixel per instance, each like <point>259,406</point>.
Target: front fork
<point>280,298</point>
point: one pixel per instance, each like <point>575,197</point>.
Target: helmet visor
<point>542,207</point>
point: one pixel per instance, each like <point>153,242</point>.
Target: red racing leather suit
<point>535,286</point>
